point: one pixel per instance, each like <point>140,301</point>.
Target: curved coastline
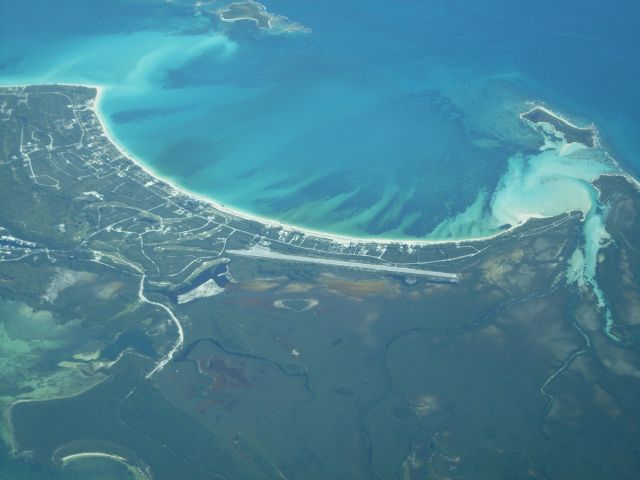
<point>138,472</point>
<point>8,412</point>
<point>334,237</point>
<point>270,222</point>
<point>340,239</point>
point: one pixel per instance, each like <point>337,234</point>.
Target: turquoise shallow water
<point>385,120</point>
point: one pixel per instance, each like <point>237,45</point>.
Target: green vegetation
<point>365,375</point>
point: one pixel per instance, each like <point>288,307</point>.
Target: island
<point>540,115</point>
<point>181,339</point>
<point>250,10</point>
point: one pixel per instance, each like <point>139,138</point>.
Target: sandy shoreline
<point>8,412</point>
<point>344,240</point>
<point>269,222</point>
<point>137,471</point>
<point>77,456</point>
<point>548,111</point>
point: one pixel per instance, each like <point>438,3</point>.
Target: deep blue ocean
<point>388,119</point>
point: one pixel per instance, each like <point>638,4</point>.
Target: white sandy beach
<point>341,240</point>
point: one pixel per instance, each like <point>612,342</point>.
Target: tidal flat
<point>512,371</point>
